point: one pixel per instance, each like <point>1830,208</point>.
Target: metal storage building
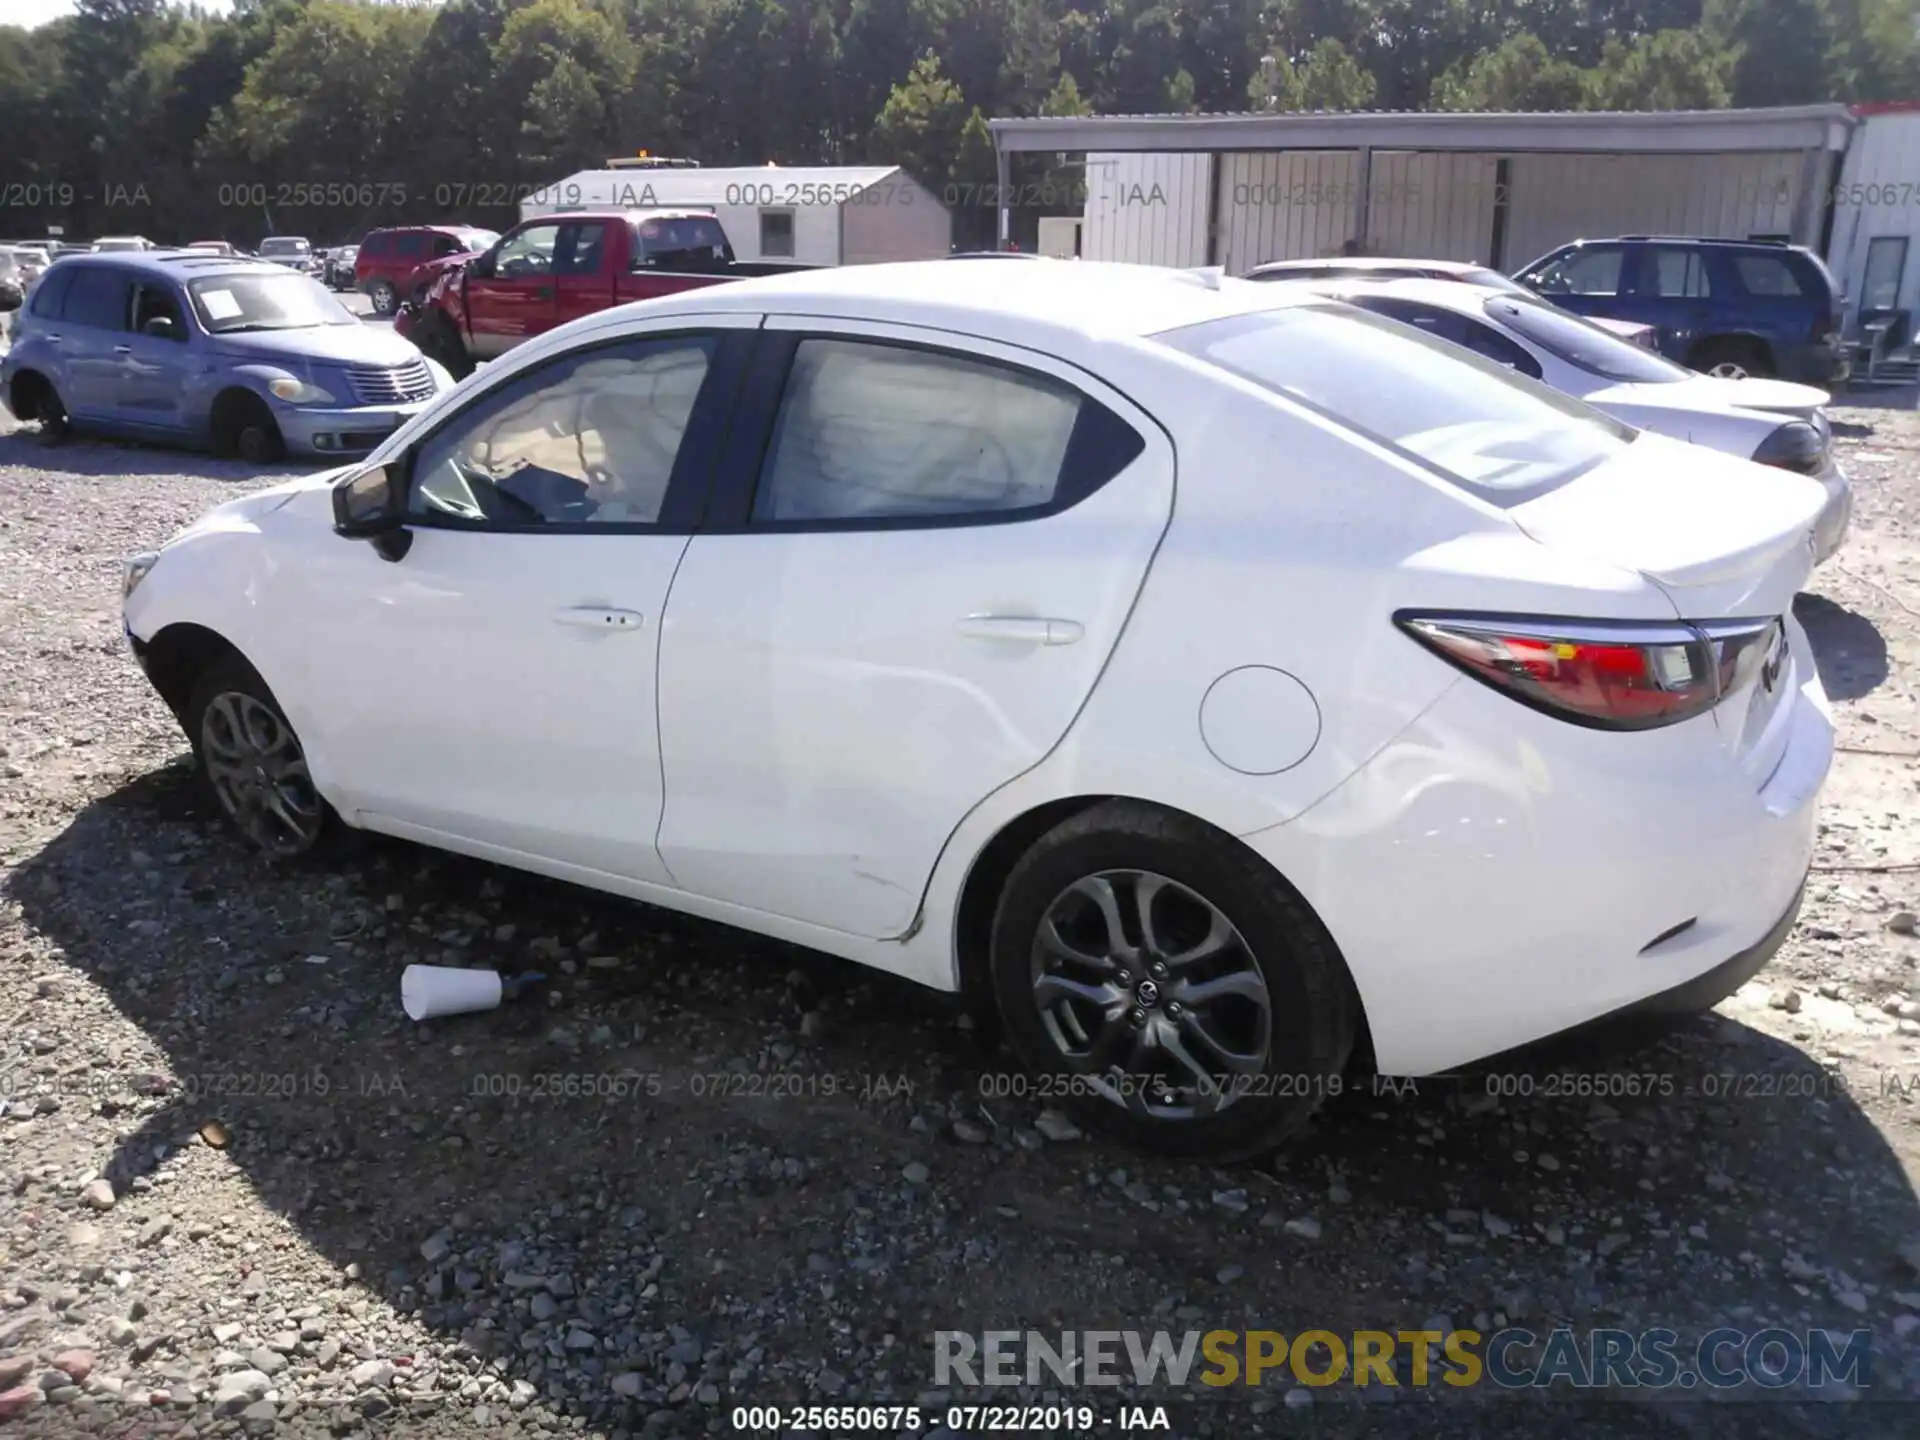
<point>1237,190</point>
<point>820,215</point>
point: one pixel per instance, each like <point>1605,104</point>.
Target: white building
<point>824,215</point>
<point>1238,190</point>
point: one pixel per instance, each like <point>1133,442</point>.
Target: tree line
<point>325,117</point>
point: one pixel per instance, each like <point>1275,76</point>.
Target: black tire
<point>434,336</point>
<point>243,426</point>
<point>1312,1010</point>
<point>1728,354</point>
<point>36,400</point>
<point>385,298</point>
<point>223,725</point>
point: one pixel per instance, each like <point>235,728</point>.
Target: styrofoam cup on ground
<point>427,991</point>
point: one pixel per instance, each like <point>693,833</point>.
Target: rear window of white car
<point>1495,434</point>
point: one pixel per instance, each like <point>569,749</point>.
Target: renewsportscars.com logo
<point>1509,1359</point>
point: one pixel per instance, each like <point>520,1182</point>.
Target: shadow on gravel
<point>1848,649</point>
<point>705,1169</point>
<point>131,460</point>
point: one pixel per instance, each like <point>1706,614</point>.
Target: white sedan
<point>1232,685</point>
<point>1772,421</point>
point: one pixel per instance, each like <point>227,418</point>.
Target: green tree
<point>919,126</point>
<point>1518,75</point>
<point>1667,70</point>
<point>1328,78</point>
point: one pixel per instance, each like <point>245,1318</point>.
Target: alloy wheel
<point>1729,370</point>
<point>260,774</point>
<point>1150,994</point>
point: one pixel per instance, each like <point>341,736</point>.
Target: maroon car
<point>388,259</point>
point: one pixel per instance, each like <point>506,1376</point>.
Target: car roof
<point>1448,294</point>
<point>1091,299</point>
<point>180,264</point>
<point>1771,247</point>
<point>1369,262</point>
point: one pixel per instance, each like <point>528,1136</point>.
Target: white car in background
<point>1774,422</point>
<point>1462,272</point>
<point>111,244</point>
<point>1221,679</point>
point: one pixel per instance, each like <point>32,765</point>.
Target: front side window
<point>590,439</point>
<point>1586,346</point>
<point>869,431</point>
<point>97,298</point>
<point>1495,434</point>
<point>156,302</point>
<point>580,249</point>
<point>229,304</point>
<point>1590,270</point>
<point>528,254</point>
<point>1450,325</point>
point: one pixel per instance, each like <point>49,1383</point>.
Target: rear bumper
<point>1495,877</point>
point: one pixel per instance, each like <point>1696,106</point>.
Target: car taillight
<point>1611,675</point>
<point>1795,446</point>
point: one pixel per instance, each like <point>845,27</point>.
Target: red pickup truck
<point>547,271</point>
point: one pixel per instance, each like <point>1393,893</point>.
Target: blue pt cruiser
<point>244,356</point>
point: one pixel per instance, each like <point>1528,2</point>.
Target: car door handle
<point>597,617</point>
<point>123,349</point>
<point>1021,629</point>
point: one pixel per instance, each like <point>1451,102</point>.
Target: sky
<point>38,12</point>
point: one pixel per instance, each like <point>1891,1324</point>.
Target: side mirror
<point>161,327</point>
<point>483,267</point>
<point>372,506</point>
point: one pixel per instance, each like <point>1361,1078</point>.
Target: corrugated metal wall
<point>1283,205</point>
<point>1437,206</point>
<point>1878,194</point>
<point>1149,209</point>
<point>1557,198</point>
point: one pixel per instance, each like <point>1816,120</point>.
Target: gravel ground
<point>240,1192</point>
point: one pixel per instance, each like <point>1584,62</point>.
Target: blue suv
<point>1727,307</point>
<point>248,357</point>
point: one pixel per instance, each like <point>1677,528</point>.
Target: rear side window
<point>1769,275</point>
<point>97,298</point>
<point>1674,272</point>
<point>52,293</point>
<point>377,243</point>
<point>874,432</point>
<point>683,240</point>
<point>1495,434</point>
<point>411,244</point>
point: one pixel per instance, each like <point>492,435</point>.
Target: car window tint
<point>445,245</point>
<point>529,253</point>
<point>97,298</point>
<point>870,431</point>
<point>1502,436</point>
<point>1590,270</point>
<point>1766,275</point>
<point>1580,342</point>
<point>157,302</point>
<point>49,299</point>
<point>1676,273</point>
<point>1450,325</point>
<point>415,244</point>
<point>376,244</point>
<point>590,439</point>
<point>579,249</point>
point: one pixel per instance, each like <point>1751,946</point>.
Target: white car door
<point>903,607</point>
<point>495,686</point>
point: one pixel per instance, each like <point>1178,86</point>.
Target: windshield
<point>1572,339</point>
<point>228,304</point>
<point>1495,434</point>
<point>285,247</point>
